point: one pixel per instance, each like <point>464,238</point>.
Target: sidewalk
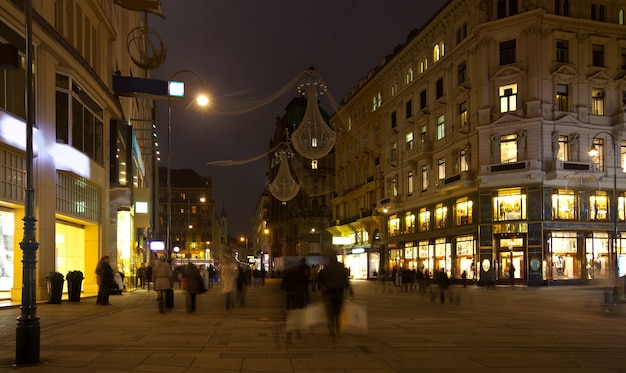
<point>514,330</point>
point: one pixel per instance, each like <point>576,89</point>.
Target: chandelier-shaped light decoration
<point>313,138</point>
<point>284,187</point>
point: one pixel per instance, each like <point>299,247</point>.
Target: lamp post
<point>27,333</point>
<point>201,100</point>
<point>593,151</point>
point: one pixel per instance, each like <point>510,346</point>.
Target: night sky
<point>245,50</point>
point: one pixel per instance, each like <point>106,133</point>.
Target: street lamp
<point>175,89</point>
<point>245,239</point>
<point>27,333</point>
<point>593,152</point>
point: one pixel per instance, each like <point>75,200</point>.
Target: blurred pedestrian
<point>334,282</point>
<point>104,277</point>
<point>441,278</point>
<point>204,273</point>
<point>512,275</point>
<point>242,285</point>
<point>195,285</point>
<point>228,282</point>
<point>149,275</point>
<point>212,275</point>
<point>141,275</point>
<point>464,279</point>
<point>162,278</point>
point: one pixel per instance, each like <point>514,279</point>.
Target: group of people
<point>332,280</point>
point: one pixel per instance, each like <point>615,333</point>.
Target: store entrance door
<point>511,252</point>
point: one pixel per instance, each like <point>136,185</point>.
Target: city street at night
<point>525,329</point>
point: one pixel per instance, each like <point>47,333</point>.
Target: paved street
<point>552,329</point>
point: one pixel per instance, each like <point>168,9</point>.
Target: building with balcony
<point>467,148</point>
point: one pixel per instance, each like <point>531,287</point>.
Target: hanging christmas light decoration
<point>284,187</point>
<point>313,138</point>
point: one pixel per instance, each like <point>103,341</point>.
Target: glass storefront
<point>565,264</point>
<point>7,229</point>
<point>70,248</point>
<point>597,256</point>
<point>465,254</point>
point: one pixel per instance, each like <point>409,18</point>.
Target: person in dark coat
<point>194,285</point>
<point>242,284</point>
<point>334,282</point>
<point>104,274</point>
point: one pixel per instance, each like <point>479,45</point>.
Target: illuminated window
<point>423,65</point>
<point>562,97</point>
<point>409,221</point>
<point>410,182</point>
<point>463,114</point>
<point>621,208</point>
<point>441,127</point>
<point>597,101</point>
<point>394,186</point>
<point>563,153</point>
<point>409,141</point>
<point>441,216</point>
<point>393,225</point>
<point>394,152</point>
<point>463,160</point>
<point>424,219</point>
<point>599,206</point>
<point>623,155</point>
<point>438,51</point>
<point>463,210</point>
<point>564,205</point>
<point>441,168</point>
<point>508,148</point>
<point>424,177</point>
<point>508,98</point>
<point>409,76</point>
<point>598,159</point>
<point>423,134</point>
<point>377,101</point>
<point>509,205</point>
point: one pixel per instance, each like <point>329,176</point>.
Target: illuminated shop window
<point>394,225</point>
<point>463,208</point>
<point>564,205</point>
<point>441,216</point>
<point>424,219</point>
<point>621,208</point>
<point>599,206</point>
<point>509,205</point>
<point>409,221</point>
<point>565,262</point>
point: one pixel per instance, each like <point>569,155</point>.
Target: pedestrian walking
<point>242,285</point>
<point>141,275</point>
<point>512,275</point>
<point>464,279</point>
<point>162,278</point>
<point>195,285</point>
<point>334,282</point>
<point>212,275</point>
<point>228,282</point>
<point>441,278</point>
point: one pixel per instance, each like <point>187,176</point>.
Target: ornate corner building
<point>490,143</point>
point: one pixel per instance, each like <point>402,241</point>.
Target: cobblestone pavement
<point>547,329</point>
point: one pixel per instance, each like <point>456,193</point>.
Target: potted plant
<point>74,284</point>
<point>54,281</point>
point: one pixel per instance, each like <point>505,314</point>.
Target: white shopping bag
<point>353,318</point>
<point>296,319</point>
<point>315,314</point>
